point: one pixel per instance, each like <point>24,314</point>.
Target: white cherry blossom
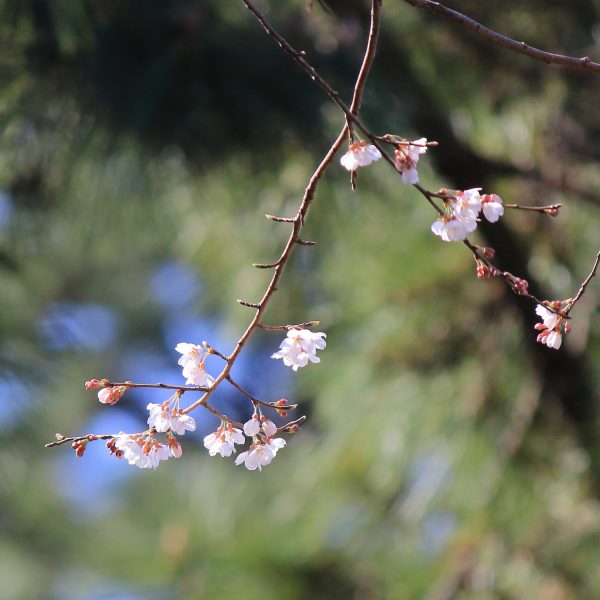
<point>449,229</point>
<point>252,427</point>
<point>492,207</point>
<point>462,210</point>
<point>223,440</point>
<point>552,326</point>
<point>360,154</point>
<point>300,347</point>
<point>164,418</point>
<point>269,427</point>
<point>143,454</point>
<point>192,361</point>
<point>406,158</point>
<point>260,453</point>
<point>467,204</point>
<point>550,319</point>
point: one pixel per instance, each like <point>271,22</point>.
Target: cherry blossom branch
<point>584,63</point>
<point>297,222</point>
<point>516,284</point>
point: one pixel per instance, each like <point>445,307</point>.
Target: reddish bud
<point>488,251</point>
<point>92,384</point>
<point>482,270</point>
<point>552,210</point>
<point>521,286</point>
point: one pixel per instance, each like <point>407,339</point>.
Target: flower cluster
<point>166,417</point>
<point>192,361</point>
<point>260,453</point>
<point>552,326</point>
<point>407,156</point>
<point>145,451</point>
<point>264,445</point>
<point>223,440</point>
<point>462,211</point>
<point>360,154</point>
<point>140,450</point>
<point>300,347</point>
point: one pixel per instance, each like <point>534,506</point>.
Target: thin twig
<point>583,63</point>
<point>61,439</point>
<point>584,285</point>
<point>255,400</point>
<point>162,386</point>
<point>299,58</point>
<point>304,325</point>
<point>551,209</point>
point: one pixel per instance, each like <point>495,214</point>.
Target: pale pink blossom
<point>550,318</point>
<point>467,204</point>
<point>450,229</point>
<point>164,418</point>
<point>552,327</point>
<point>142,452</point>
<point>406,158</point>
<point>268,427</point>
<point>252,427</point>
<point>300,347</point>
<point>111,395</point>
<point>223,440</point>
<point>260,453</point>
<point>192,361</point>
<point>492,207</point>
<point>462,210</point>
<point>360,154</point>
<point>174,447</point>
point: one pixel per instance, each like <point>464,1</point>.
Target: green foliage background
<point>446,455</point>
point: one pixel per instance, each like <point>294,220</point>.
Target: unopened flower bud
<point>111,395</point>
<point>552,210</point>
<point>92,384</point>
<point>482,270</point>
<point>488,251</point>
<point>175,447</point>
<point>521,286</point>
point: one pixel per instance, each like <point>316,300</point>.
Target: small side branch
<point>582,64</point>
<point>160,386</point>
<point>304,325</point>
<point>585,283</point>
<point>91,437</point>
